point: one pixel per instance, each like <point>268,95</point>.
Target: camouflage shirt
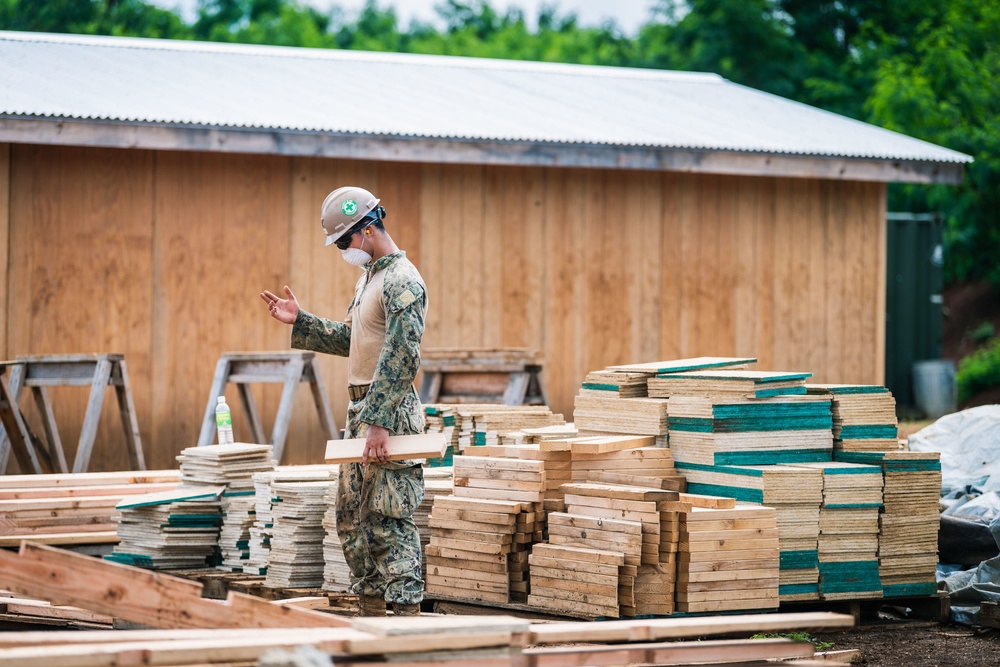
<point>391,401</point>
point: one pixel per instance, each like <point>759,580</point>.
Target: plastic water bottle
<point>224,422</point>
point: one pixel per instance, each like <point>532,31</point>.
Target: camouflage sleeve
<point>321,335</point>
<point>399,361</point>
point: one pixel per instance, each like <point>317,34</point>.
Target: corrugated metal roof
<point>402,95</point>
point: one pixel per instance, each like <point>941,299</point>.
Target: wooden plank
<point>63,539</point>
<point>674,653</point>
<point>400,447</point>
<point>141,596</point>
<point>682,628</point>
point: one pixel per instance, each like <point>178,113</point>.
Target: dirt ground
<point>889,643</point>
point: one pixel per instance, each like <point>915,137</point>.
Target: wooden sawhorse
<point>97,371</point>
<point>509,376</point>
<point>290,368</point>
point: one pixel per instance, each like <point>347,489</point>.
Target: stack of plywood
<point>619,383</point>
<point>296,554</point>
<point>71,508</point>
<point>864,417</point>
<point>441,418</point>
<point>336,571</point>
<point>577,581</point>
<point>848,527</point>
<point>233,465</point>
<point>767,431</point>
<point>728,384</point>
<point>630,416</point>
<point>908,525</point>
<point>478,422</point>
<point>238,517</point>
<point>796,494</point>
<point>495,427</point>
<point>260,532</point>
<point>176,529</point>
<point>728,560</point>
<point>470,542</point>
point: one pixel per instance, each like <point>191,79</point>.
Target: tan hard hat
<point>343,208</point>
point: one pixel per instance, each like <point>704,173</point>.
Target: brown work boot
<point>369,605</point>
<point>405,609</point>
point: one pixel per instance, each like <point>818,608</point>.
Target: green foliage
<point>929,69</point>
<point>796,636</point>
<point>979,371</point>
<point>982,332</point>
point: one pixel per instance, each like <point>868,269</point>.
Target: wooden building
<point>150,190</point>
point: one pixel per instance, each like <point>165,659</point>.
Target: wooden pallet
<point>930,607</point>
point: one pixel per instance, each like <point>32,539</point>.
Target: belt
<point>357,391</point>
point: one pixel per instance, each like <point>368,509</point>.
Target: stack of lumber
<point>499,478</point>
<point>471,538</point>
<point>728,384</point>
<point>296,555</point>
<point>336,571</point>
<point>637,525</point>
<point>729,431</point>
<point>908,524</point>
<point>641,466</point>
<point>864,417</point>
<point>496,426</point>
<point>441,418</point>
<point>796,494</point>
<point>71,508</point>
<point>631,416</point>
<point>849,527</point>
<point>577,580</point>
<point>534,436</point>
<point>728,559</point>
<point>434,486</point>
<point>556,465</point>
<point>232,465</point>
<point>261,531</point>
<point>176,529</point>
<point>619,383</point>
<point>238,517</point>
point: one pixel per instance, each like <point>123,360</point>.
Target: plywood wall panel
<point>80,275</point>
<point>593,267</point>
<point>221,236</point>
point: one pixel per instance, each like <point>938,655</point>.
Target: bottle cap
<point>221,399</point>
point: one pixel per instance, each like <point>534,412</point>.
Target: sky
<point>628,14</point>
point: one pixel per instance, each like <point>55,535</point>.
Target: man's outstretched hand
<point>283,310</point>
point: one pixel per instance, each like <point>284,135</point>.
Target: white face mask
<point>356,256</point>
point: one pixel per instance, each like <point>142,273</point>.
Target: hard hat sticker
<point>349,207</point>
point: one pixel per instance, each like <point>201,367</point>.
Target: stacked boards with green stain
<point>864,417</point>
<point>795,493</point>
<point>614,400</point>
<point>743,431</point>
<point>727,383</point>
<point>848,530</point>
<point>170,530</point>
<point>728,559</point>
<point>908,524</point>
<point>492,424</point>
<point>442,419</point>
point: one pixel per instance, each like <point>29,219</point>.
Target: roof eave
<point>156,136</point>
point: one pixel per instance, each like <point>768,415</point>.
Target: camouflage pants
<point>375,505</point>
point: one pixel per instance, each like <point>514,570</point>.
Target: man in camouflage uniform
<point>381,337</point>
